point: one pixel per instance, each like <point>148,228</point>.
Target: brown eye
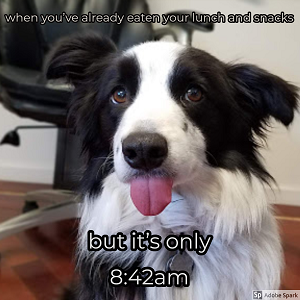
<point>119,96</point>
<point>193,94</point>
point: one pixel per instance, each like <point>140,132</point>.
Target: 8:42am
<point>147,277</point>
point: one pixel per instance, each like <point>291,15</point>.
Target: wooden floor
<point>37,264</point>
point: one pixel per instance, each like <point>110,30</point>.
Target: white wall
<point>275,47</point>
<point>34,160</point>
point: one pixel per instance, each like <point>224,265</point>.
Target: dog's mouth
<point>147,155</point>
<point>151,195</point>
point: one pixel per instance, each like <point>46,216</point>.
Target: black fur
<point>94,283</point>
<point>93,66</point>
<point>72,57</point>
<point>91,63</point>
<point>237,102</point>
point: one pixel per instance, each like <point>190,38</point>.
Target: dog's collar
<point>176,197</point>
<point>180,261</point>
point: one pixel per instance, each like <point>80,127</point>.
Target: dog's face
<point>155,135</point>
<point>166,112</point>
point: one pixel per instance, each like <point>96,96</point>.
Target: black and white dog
<point>159,119</point>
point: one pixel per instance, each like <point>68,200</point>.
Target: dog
<point>160,121</point>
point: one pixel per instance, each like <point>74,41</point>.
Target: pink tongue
<point>151,195</point>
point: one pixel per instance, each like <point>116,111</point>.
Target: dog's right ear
<point>72,56</point>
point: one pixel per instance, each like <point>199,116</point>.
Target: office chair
<point>25,91</point>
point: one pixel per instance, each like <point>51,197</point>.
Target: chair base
<point>65,210</point>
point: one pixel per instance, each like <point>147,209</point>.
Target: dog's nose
<point>145,151</point>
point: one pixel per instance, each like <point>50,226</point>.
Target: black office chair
<point>25,91</point>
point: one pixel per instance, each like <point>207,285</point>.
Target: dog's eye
<point>119,96</point>
<point>193,94</point>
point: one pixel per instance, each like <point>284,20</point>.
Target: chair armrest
<point>23,92</point>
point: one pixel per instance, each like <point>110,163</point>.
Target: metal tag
<point>181,261</point>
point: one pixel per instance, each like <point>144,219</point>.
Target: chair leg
<point>29,206</point>
<point>53,213</point>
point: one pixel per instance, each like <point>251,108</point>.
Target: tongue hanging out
<point>151,195</point>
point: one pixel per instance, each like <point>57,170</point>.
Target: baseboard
<point>23,174</point>
<point>286,196</point>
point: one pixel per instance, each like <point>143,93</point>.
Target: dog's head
<point>165,112</point>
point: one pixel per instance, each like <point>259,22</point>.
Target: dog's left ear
<point>262,94</point>
<point>72,56</point>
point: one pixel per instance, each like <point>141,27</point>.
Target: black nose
<point>143,150</point>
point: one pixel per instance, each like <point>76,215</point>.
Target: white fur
<point>245,254</point>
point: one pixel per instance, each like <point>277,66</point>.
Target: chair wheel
<point>29,206</point>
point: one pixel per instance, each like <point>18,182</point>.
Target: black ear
<point>72,56</point>
<point>263,94</point>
